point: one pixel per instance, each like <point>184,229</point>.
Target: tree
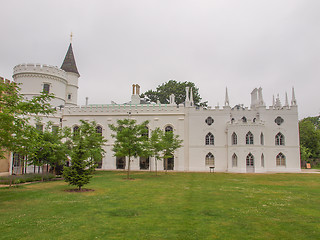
<point>86,146</point>
<point>48,147</point>
<point>309,138</point>
<point>130,139</point>
<point>170,143</point>
<point>156,146</point>
<point>162,145</point>
<point>163,92</point>
<point>15,115</point>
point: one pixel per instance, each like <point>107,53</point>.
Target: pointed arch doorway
<point>250,163</point>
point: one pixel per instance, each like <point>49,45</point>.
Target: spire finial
<point>71,35</point>
<point>226,101</point>
<point>191,96</point>
<point>293,101</point>
<point>287,102</point>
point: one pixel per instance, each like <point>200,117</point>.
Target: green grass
<point>170,206</point>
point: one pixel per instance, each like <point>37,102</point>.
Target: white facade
<point>262,133</point>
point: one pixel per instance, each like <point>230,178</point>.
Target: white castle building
<point>231,139</point>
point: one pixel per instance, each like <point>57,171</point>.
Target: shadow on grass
<point>79,191</point>
<point>123,213</point>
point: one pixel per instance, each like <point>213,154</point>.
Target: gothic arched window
<point>261,139</point>
<point>244,119</point>
<point>281,160</point>
<point>234,160</point>
<point>145,133</point>
<point>168,129</point>
<point>209,159</point>
<point>99,130</point>
<point>262,160</point>
<point>209,139</point>
<point>234,139</point>
<point>249,138</point>
<point>250,160</point>
<point>76,129</point>
<point>279,139</point>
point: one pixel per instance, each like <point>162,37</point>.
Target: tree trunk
<point>128,173</point>
<point>166,161</point>
<point>42,175</point>
<point>156,163</point>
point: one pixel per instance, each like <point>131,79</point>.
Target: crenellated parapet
<point>38,69</point>
<point>124,109</point>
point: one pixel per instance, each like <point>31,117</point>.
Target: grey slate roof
<point>69,63</point>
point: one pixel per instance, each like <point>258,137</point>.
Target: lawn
<point>170,206</point>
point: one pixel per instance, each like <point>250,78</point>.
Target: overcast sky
<point>239,44</point>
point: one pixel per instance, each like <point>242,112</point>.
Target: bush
<point>30,177</point>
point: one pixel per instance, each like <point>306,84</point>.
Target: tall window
<point>145,134</point>
<point>99,130</point>
<point>46,88</point>
<point>234,139</point>
<point>279,139</point>
<point>262,160</point>
<point>209,159</point>
<point>261,139</point>
<point>250,160</point>
<point>234,160</point>
<point>209,139</point>
<point>168,129</point>
<point>281,160</point>
<point>249,138</point>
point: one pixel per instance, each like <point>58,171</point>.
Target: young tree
<point>48,147</point>
<point>129,139</point>
<point>163,92</point>
<point>163,144</point>
<point>170,143</point>
<point>15,114</point>
<point>156,146</point>
<point>86,146</point>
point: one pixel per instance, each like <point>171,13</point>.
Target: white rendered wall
<point>158,116</point>
<point>32,77</point>
<point>72,89</point>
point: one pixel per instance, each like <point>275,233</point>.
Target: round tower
<point>36,78</point>
<point>62,82</point>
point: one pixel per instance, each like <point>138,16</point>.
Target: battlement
<point>124,109</point>
<point>39,69</point>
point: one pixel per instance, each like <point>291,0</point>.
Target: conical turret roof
<point>69,63</point>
